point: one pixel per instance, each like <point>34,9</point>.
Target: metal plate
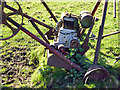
<point>54,60</point>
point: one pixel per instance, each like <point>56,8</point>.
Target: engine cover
<point>68,38</point>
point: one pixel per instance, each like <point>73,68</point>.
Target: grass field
<point>22,62</point>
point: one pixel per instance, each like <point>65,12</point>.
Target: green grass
<point>46,76</point>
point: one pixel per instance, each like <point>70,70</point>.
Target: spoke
<point>5,16</point>
<point>15,31</point>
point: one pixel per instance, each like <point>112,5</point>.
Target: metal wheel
<point>96,73</point>
<point>5,19</point>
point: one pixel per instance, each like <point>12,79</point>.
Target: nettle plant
<point>79,59</point>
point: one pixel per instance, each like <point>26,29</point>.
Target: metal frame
<point>52,30</point>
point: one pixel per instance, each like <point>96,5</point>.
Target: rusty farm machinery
<point>65,35</point>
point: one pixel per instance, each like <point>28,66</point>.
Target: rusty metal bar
<point>96,6</point>
<point>86,41</point>
<point>107,35</point>
<point>100,32</point>
<point>42,35</point>
<point>35,20</point>
<point>114,8</point>
<point>47,45</point>
<point>52,15</point>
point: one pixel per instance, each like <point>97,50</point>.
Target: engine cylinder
<point>85,19</point>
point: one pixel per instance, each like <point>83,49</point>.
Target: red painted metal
<point>96,6</point>
<point>52,15</point>
<point>47,46</point>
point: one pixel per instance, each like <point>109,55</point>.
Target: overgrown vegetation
<point>35,65</point>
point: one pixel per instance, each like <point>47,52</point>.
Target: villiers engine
<point>68,29</point>
<point>67,32</point>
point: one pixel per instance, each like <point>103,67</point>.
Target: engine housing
<point>68,38</point>
<point>67,29</point>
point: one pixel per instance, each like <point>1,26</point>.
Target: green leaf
<point>75,72</point>
<point>72,59</point>
<point>71,75</point>
<point>72,53</point>
<point>78,55</point>
<point>75,49</point>
<point>81,49</point>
